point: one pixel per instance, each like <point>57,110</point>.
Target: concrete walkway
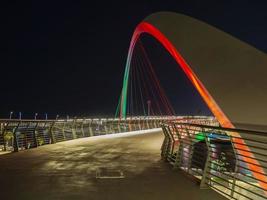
<point>67,170</point>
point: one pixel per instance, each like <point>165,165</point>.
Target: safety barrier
<point>17,135</point>
<point>231,161</point>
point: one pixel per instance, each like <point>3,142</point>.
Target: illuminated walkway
<point>67,170</point>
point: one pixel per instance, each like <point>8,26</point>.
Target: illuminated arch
<point>145,27</point>
<point>258,59</point>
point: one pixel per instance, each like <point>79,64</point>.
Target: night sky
<point>68,57</point>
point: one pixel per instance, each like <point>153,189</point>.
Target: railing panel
<point>231,161</point>
<point>17,135</point>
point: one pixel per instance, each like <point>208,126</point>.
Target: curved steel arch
<point>234,73</point>
<point>145,27</point>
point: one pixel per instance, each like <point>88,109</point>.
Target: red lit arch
<point>145,27</point>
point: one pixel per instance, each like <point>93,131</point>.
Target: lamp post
<point>10,114</point>
<point>35,116</point>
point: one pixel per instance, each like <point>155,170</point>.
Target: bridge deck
<point>67,170</point>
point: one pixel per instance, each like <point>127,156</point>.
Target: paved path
<point>67,170</point>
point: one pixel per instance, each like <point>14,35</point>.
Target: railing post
<point>15,144</point>
<point>73,128</point>
<point>179,153</point>
<point>168,147</point>
<point>136,124</point>
<point>63,129</point>
<point>25,139</point>
<point>236,168</point>
<point>164,147</point>
<point>44,128</point>
<point>139,124</point>
<point>190,150</point>
<point>51,134</point>
<point>124,125</point>
<point>129,124</point>
<point>83,121</point>
<point>144,124</point>
<point>90,128</point>
<point>34,134</point>
<point>147,123</point>
<point>119,125</point>
<point>205,176</point>
<point>3,126</point>
<point>155,123</point>
<point>171,145</point>
<point>109,125</point>
<point>112,125</point>
<point>105,126</point>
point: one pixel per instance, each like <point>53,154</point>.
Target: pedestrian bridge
<point>143,154</point>
<point>123,166</point>
<point>134,158</point>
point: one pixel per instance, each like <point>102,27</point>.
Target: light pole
<point>10,114</point>
<point>19,115</point>
<point>35,116</point>
<point>46,116</point>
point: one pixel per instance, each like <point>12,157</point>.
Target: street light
<point>35,116</point>
<point>10,114</point>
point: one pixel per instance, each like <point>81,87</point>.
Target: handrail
<point>215,157</point>
<point>22,134</point>
<point>245,131</point>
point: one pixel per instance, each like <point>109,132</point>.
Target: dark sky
<point>68,57</point>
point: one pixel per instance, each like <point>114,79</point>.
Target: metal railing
<point>231,161</point>
<point>17,135</point>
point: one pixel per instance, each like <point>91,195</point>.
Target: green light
<point>200,136</point>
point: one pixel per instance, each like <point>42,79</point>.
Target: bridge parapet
<point>231,161</point>
<point>24,134</point>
